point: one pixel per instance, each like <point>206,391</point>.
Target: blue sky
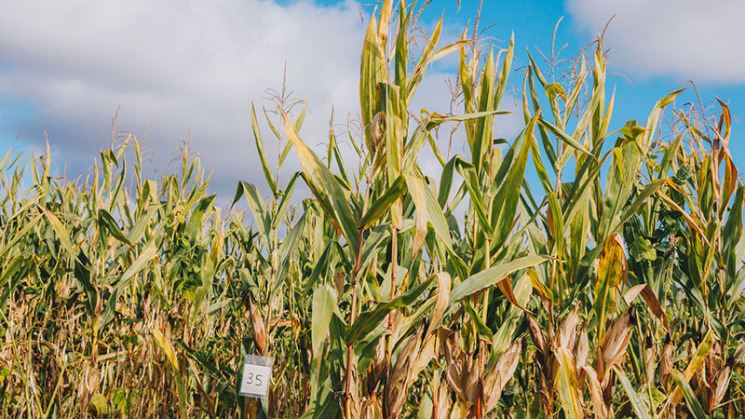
<point>181,70</point>
<point>638,84</point>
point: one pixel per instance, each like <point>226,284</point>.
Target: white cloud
<point>688,39</point>
<point>189,69</point>
<point>180,67</point>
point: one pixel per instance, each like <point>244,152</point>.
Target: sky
<point>173,71</point>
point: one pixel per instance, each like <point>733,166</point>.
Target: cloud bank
<point>184,69</point>
<point>686,39</point>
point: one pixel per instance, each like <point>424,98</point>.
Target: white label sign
<point>256,377</point>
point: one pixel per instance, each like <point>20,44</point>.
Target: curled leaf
<point>496,379</point>
<point>612,269</point>
<point>650,298</point>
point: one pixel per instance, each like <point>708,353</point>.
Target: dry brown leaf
<point>443,295</point>
<point>615,343</point>
<point>582,349</point>
<point>259,331</point>
<point>536,333</point>
<point>596,393</point>
<point>665,368</point>
<point>500,374</point>
<point>650,298</point>
<point>568,329</point>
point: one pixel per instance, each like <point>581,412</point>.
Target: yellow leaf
<point>167,347</point>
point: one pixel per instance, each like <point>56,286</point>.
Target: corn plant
<point>611,286</point>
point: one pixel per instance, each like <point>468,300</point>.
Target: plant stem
<point>394,266</point>
<point>352,318</point>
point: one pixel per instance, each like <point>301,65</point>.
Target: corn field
<point>611,286</point>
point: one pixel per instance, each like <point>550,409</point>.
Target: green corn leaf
<point>696,362</point>
<point>504,207</point>
<point>207,277</point>
<point>641,198</point>
<point>568,140</point>
<point>287,250</point>
<point>690,397</point>
<point>504,75</point>
<point>195,225</point>
<point>301,118</point>
<point>402,52</point>
<point>262,153</point>
<point>324,304</point>
<point>325,187</point>
<point>539,167</point>
<point>557,222</point>
<point>481,328</point>
<point>424,60</point>
<point>223,373</point>
<point>321,266</point>
<point>482,139</point>
<point>425,201</point>
<point>269,122</point>
<point>446,182</point>
<point>582,186</point>
<point>654,116</point>
<point>147,254</point>
<point>369,320</point>
<point>567,385</point>
<point>372,72</point>
<point>415,144</point>
<point>20,235</point>
<point>491,276</point>
<point>382,204</point>
<point>436,118</point>
<point>670,153</point>
<point>393,134</point>
<point>284,202</point>
<point>574,95</point>
<point>732,232</point>
<point>107,222</point>
<point>137,231</point>
<point>255,204</point>
<point>471,182</point>
<point>59,229</point>
<point>375,241</point>
<point>620,180</point>
<point>5,159</point>
<point>636,402</point>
